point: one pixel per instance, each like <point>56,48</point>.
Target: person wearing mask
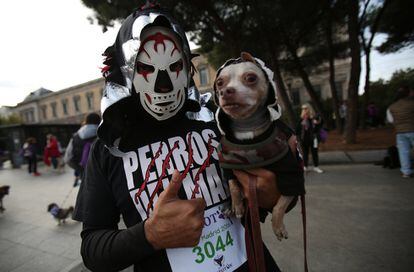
<point>155,163</point>
<point>308,133</point>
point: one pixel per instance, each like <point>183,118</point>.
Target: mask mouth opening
<point>163,104</point>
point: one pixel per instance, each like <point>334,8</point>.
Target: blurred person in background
<point>29,151</point>
<point>308,132</point>
<point>77,151</point>
<point>52,151</point>
<point>372,115</point>
<point>343,110</point>
<point>401,114</point>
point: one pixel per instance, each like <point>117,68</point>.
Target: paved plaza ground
<point>360,218</point>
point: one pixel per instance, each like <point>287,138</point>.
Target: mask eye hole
<point>250,78</point>
<point>143,68</point>
<point>176,66</point>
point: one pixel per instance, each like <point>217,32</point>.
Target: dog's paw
<point>238,209</point>
<point>280,233</point>
<point>279,228</point>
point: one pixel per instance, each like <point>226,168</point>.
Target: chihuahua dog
<point>58,213</point>
<point>242,92</point>
<point>4,190</point>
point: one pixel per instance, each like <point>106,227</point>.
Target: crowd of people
<point>149,112</point>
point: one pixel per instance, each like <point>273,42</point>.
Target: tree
<point>265,28</point>
<point>353,33</point>
<point>332,27</point>
<point>385,91</point>
<point>222,29</point>
<point>10,120</point>
<point>369,23</point>
<point>398,25</point>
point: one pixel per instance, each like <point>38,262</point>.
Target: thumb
<point>175,184</point>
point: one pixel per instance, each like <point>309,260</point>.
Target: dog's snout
<point>225,92</point>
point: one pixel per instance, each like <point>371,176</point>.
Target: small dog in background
<point>4,190</point>
<point>253,137</point>
<point>58,213</point>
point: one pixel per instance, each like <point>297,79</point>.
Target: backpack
<point>74,151</point>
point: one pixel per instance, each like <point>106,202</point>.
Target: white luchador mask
<point>161,76</point>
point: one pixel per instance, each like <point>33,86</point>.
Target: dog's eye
<point>219,83</point>
<point>250,78</point>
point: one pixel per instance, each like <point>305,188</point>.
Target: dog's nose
<point>227,91</point>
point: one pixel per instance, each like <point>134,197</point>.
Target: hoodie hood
<point>87,131</point>
<point>119,100</point>
<point>273,107</point>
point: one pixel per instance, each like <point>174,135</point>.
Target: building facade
<point>204,79</point>
<point>205,74</point>
<point>71,105</point>
<point>320,82</point>
<point>67,106</point>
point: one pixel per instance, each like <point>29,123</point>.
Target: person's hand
<point>175,222</point>
<point>267,192</point>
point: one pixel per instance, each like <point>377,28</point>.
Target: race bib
<point>221,247</point>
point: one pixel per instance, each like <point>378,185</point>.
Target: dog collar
<point>244,156</point>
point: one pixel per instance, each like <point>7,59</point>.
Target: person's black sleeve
<point>104,247</point>
<point>114,250</point>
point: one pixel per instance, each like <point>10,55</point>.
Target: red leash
<point>302,201</point>
<point>254,243</point>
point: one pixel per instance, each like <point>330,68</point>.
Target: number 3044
<point>209,248</point>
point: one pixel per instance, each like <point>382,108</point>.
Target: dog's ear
<point>247,57</point>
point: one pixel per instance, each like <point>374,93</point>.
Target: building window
<point>76,102</point>
<point>44,112</point>
<point>89,98</point>
<point>54,112</point>
<point>203,71</point>
<point>65,106</point>
<point>295,96</point>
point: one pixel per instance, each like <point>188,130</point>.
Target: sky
<point>51,44</point>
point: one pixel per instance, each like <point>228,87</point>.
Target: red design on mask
<point>148,98</point>
<point>142,49</point>
<point>159,38</point>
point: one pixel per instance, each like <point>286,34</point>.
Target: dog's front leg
<point>237,205</point>
<point>278,213</point>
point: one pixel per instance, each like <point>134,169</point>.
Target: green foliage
<point>223,29</point>
<point>383,92</point>
<point>398,24</point>
<point>10,120</point>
